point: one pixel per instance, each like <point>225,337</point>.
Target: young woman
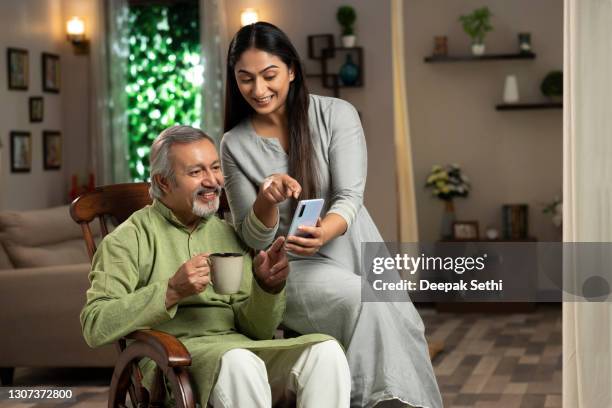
<point>283,144</point>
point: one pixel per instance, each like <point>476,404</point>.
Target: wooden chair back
<point>109,204</point>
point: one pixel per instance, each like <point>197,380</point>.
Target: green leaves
<point>477,24</point>
<point>164,76</point>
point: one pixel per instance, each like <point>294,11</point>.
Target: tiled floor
<point>499,361</point>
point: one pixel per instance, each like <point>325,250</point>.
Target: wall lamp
<point>75,32</point>
<point>248,16</point>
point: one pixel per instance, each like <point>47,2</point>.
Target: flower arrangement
<point>448,182</point>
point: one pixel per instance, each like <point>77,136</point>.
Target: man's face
<point>198,179</point>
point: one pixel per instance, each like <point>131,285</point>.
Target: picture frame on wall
<point>52,150</point>
<point>21,152</point>
<point>50,72</point>
<point>36,109</point>
<point>465,230</point>
<point>18,68</point>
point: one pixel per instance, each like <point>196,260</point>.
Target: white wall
<point>299,19</point>
<point>511,157</point>
<point>38,26</point>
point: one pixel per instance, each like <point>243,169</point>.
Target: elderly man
<point>153,272</point>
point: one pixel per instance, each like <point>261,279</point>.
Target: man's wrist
<point>172,296</point>
<point>273,290</point>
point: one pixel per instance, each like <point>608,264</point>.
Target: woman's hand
<point>307,246</point>
<point>277,188</point>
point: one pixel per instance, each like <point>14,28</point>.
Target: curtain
<point>407,215</point>
<point>109,52</point>
<point>587,209</point>
<point>213,32</point>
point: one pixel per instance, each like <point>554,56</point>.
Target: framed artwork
<point>52,150</point>
<point>21,152</point>
<point>50,72</point>
<point>465,230</point>
<point>36,109</point>
<point>18,64</point>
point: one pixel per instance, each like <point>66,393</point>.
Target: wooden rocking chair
<point>117,202</point>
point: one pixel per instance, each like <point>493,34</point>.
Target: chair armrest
<point>168,347</point>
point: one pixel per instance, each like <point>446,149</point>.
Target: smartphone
<point>307,213</point>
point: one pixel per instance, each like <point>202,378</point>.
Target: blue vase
<point>349,72</point>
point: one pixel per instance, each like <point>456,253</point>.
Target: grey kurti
<point>385,343</point>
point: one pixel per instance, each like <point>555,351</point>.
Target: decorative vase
<point>348,41</point>
<point>448,218</point>
<point>349,72</point>
<point>511,94</point>
<point>478,49</point>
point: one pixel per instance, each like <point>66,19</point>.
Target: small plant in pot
<point>346,16</point>
<point>552,86</point>
<point>477,24</point>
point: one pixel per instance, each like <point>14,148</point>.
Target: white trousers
<point>316,376</point>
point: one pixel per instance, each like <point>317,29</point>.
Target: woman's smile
<point>262,102</point>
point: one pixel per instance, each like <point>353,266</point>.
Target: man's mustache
<point>204,190</point>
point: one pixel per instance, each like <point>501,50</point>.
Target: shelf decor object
<point>511,92</point>
<point>477,24</point>
<point>349,72</point>
<point>440,46</point>
<point>346,17</point>
<point>524,40</point>
<point>552,86</point>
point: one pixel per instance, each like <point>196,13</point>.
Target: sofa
<point>43,279</point>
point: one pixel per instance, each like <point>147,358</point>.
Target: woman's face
<point>263,80</point>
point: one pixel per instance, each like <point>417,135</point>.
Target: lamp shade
<point>249,16</point>
<point>75,27</point>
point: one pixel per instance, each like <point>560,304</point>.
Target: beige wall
<point>511,157</point>
<point>38,26</point>
<point>299,19</point>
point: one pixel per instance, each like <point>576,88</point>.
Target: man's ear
<point>162,182</point>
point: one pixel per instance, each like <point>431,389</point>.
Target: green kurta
<point>129,279</point>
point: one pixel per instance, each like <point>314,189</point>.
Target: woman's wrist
<point>266,212</point>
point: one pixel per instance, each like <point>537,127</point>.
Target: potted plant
<point>447,183</point>
<point>552,86</point>
<point>346,16</point>
<point>477,24</point>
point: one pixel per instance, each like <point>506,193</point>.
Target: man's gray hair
<point>161,162</point>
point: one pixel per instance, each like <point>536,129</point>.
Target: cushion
<point>68,252</point>
<point>42,238</point>
<point>40,227</point>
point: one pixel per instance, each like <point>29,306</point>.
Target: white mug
<point>226,272</point>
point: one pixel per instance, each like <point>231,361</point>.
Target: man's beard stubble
<point>209,209</point>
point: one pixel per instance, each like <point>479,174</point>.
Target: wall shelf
<point>486,57</point>
<point>322,49</point>
<point>528,106</point>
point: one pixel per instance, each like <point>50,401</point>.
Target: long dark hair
<point>269,38</point>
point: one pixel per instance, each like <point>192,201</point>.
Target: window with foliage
<point>164,76</point>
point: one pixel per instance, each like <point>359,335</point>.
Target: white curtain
<point>213,32</point>
<point>109,52</point>
<point>406,205</point>
<point>587,138</point>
